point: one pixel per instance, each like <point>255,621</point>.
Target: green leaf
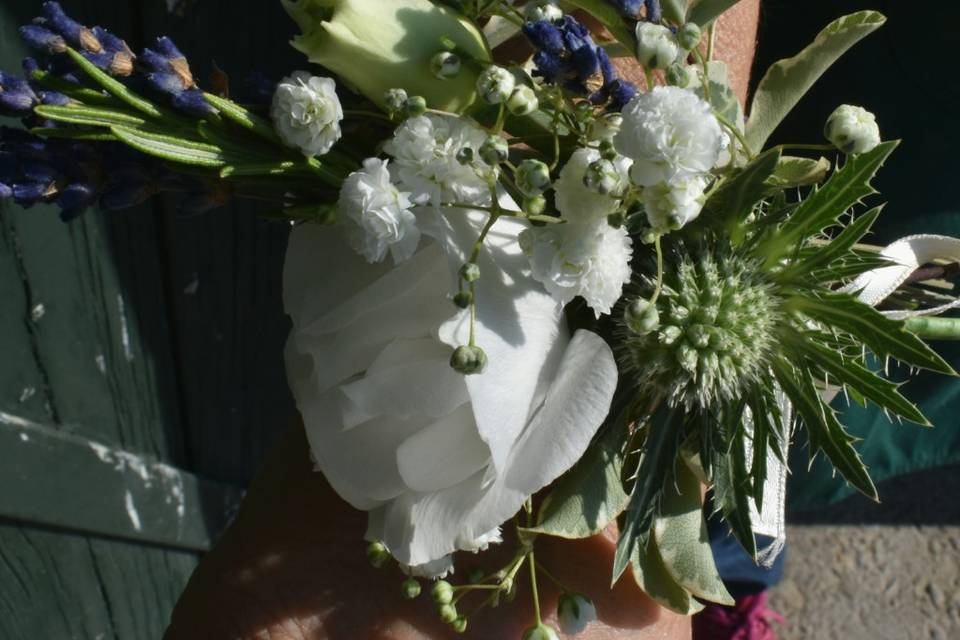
<point>735,199</point>
<point>658,458</point>
<point>114,87</point>
<point>681,536</point>
<point>591,495</point>
<point>706,11</point>
<point>652,576</point>
<point>91,116</point>
<point>788,80</point>
<point>171,148</point>
<point>674,10</point>
<point>835,249</point>
<point>884,336</point>
<point>851,266</point>
<point>823,429</point>
<point>243,117</point>
<point>72,89</point>
<point>821,209</point>
<point>721,95</point>
<point>73,134</point>
<point>792,172</point>
<point>731,493</point>
<point>851,373</point>
<point>498,30</point>
<point>609,17</point>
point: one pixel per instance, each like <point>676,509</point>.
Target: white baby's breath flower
<point>670,134</point>
<point>657,47</point>
<point>671,206</point>
<point>306,113</point>
<point>604,127</point>
<point>852,129</point>
<point>377,214</point>
<point>425,160</point>
<point>590,259</point>
<point>574,199</point>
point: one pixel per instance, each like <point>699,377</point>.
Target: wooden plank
<point>89,487</point>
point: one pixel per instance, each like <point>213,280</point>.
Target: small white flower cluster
<point>674,141</point>
<point>306,113</point>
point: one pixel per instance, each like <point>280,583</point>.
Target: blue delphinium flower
<point>169,73</point>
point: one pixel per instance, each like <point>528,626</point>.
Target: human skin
<point>292,565</point>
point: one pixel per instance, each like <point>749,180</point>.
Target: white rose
<point>590,259</point>
<point>377,214</point>
<point>574,199</point>
<point>670,207</point>
<point>425,160</point>
<point>306,113</point>
<point>670,134</point>
<point>852,129</point>
<point>440,460</point>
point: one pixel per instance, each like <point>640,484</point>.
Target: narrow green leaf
<point>680,532</point>
<point>243,117</point>
<point>591,495</point>
<point>73,134</point>
<point>604,11</point>
<point>823,429</point>
<point>114,87</point>
<point>171,148</point>
<point>835,249</point>
<point>792,172</point>
<point>73,90</point>
<point>731,493</point>
<point>652,576</point>
<point>788,80</point>
<point>851,373</point>
<point>884,336</point>
<point>850,266</point>
<point>734,200</point>
<point>91,116</point>
<point>821,209</point>
<point>706,11</point>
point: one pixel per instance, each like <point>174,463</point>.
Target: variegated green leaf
<point>652,576</point>
<point>706,11</point>
<point>793,171</point>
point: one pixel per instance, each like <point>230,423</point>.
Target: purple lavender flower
<point>17,98</point>
<point>168,72</point>
<point>77,35</point>
<point>42,40</point>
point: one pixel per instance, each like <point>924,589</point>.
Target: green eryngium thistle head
<point>718,317</point>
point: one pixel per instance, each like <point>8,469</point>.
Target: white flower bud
<point>445,65</point>
<point>641,317</point>
<point>670,207</point>
<point>852,129</point>
<point>657,48</point>
<point>394,99</point>
<point>306,113</point>
<point>542,10</point>
<point>495,84</point>
<point>470,272</point>
<point>603,177</point>
<point>494,150</point>
<point>533,177</point>
<point>540,632</point>
<point>689,36</point>
<point>523,101</point>
<point>605,127</point>
<point>574,613</point>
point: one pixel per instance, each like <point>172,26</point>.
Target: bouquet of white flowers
<point>535,295</point>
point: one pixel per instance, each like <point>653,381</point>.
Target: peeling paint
<point>27,393</point>
<point>124,329</point>
<point>101,363</point>
<point>15,421</point>
<point>123,461</point>
<point>38,312</point>
<point>24,437</point>
<point>132,510</point>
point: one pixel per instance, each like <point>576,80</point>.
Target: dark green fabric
<point>905,74</point>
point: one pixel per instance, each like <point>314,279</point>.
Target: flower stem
<point>736,132</point>
<point>533,589</point>
<point>659,287</point>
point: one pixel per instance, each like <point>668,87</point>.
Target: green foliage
<point>731,204</point>
<point>114,87</point>
<point>786,82</point>
<point>674,10</point>
<point>651,574</point>
<point>829,253</point>
<point>792,172</point>
<point>706,11</point>
<point>172,148</point>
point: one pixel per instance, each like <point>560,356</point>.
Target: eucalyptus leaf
<point>652,576</point>
<point>680,532</point>
<point>171,148</point>
<point>606,13</point>
<point>793,171</point>
<point>786,82</point>
<point>591,495</point>
<point>706,11</point>
<point>823,429</point>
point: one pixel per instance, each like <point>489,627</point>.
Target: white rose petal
<point>306,113</point>
<point>377,214</point>
<point>670,134</point>
<point>589,259</point>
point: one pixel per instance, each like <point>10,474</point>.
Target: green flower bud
<point>470,272</point>
<point>678,75</point>
<point>641,317</point>
<point>540,632</point>
<point>608,151</point>
<point>463,299</point>
<point>395,100</point>
<point>468,360</point>
<point>649,236</point>
<point>523,101</point>
<point>415,106</point>
<point>377,554</point>
<point>533,177</point>
<point>617,220</point>
<point>494,150</point>
<point>534,205</point>
<point>459,625</point>
<point>374,45</point>
<point>410,588</point>
<point>584,110</point>
<point>465,155</point>
<point>689,36</point>
<point>445,65</point>
<point>495,84</point>
<point>602,176</point>
<point>442,592</point>
<point>448,613</point>
<point>656,46</point>
<point>852,129</point>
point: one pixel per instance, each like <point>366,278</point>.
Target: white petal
<point>444,454</point>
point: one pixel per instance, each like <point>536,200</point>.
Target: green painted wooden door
<point>141,377</point>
